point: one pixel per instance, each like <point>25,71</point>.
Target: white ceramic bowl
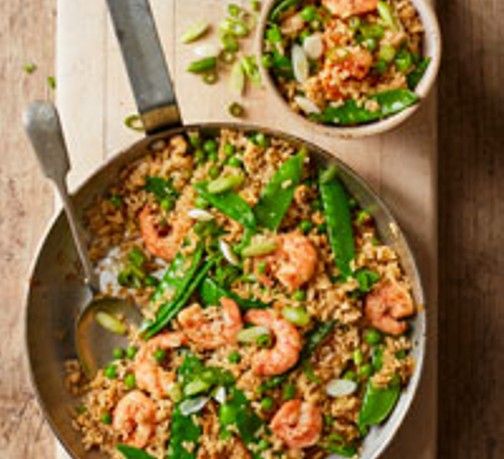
<point>432,49</point>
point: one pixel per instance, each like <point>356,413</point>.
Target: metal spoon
<point>94,343</point>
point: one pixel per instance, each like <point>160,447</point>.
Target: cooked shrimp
<point>149,375</point>
<point>297,423</point>
<point>162,240</point>
<point>135,419</point>
<point>347,8</point>
<point>212,327</point>
<point>285,353</point>
<point>386,304</point>
<point>293,263</point>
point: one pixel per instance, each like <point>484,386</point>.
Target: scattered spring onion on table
<point>134,122</point>
<point>195,31</point>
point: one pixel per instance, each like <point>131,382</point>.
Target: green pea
<point>267,61</point>
<point>116,200</point>
<point>106,418</point>
<point>234,357</point>
<point>350,375</point>
<point>401,354</point>
<point>387,53</point>
<point>372,336</point>
<point>130,381</point>
<point>288,392</point>
<point>266,403</point>
<point>110,372</point>
<point>297,316</point>
<point>365,371</point>
<point>305,226</point>
<point>299,295</point>
<point>199,156</point>
<point>151,281</point>
<point>263,341</point>
<point>210,146</point>
<point>167,204</point>
<point>261,140</point>
<point>131,352</point>
<point>263,444</point>
<point>309,13</point>
<point>358,357</point>
<point>118,353</point>
<point>227,414</point>
<point>159,355</point>
<point>194,139</point>
<point>201,203</point>
<point>370,43</point>
<point>214,172</point>
<point>229,149</point>
<point>274,34</point>
<point>235,162</point>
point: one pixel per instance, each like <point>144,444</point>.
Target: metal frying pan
<point>54,293</point>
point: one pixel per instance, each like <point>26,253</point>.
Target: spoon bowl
<point>94,342</point>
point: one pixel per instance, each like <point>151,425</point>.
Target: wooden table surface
<point>471,215</point>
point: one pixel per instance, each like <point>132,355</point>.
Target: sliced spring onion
<point>193,405</point>
<point>197,386</point>
<point>237,79</point>
<point>251,69</point>
<point>306,105</point>
<point>252,334</point>
<point>134,122</point>
<point>210,77</point>
<point>313,46</point>
<point>207,50</point>
<point>236,109</point>
<point>220,394</point>
<point>202,65</point>
<point>111,323</point>
<point>259,248</point>
<point>228,253</point>
<point>175,392</point>
<point>200,215</point>
<point>300,64</point>
<point>341,387</point>
<point>387,15</point>
<point>296,315</point>
<point>228,57</point>
<point>229,42</point>
<point>195,31</point>
<point>225,183</point>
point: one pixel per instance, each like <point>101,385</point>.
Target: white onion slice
<point>340,387</point>
<point>228,253</point>
<point>313,46</point>
<point>193,405</point>
<point>220,395</point>
<point>200,215</point>
<point>207,50</point>
<point>306,105</point>
<point>300,64</point>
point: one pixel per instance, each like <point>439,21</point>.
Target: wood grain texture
<point>26,35</point>
<point>471,116</point>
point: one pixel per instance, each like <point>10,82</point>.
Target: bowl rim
<point>433,38</point>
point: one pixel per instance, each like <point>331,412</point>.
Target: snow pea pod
<point>169,310</point>
<point>129,452</point>
<point>172,278</point>
<point>378,403</point>
<point>338,220</point>
<point>418,72</point>
<point>211,293</point>
<point>351,114</point>
<point>183,430</point>
<point>230,204</point>
<point>277,195</point>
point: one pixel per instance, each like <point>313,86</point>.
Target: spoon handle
<point>43,126</point>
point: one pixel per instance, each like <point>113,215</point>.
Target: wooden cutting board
<point>94,97</point>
